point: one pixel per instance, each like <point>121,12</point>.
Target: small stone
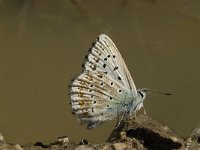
<point>84,142</point>
<point>6,146</point>
<point>105,147</point>
<point>119,146</point>
<point>18,147</point>
<point>63,139</point>
<point>1,138</point>
<point>123,135</point>
<point>40,144</point>
<point>83,147</point>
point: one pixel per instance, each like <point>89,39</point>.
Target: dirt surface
<point>140,133</point>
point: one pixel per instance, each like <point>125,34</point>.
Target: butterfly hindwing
<point>103,85</point>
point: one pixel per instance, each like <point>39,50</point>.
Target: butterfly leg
<point>144,111</point>
<point>120,117</point>
<point>135,115</point>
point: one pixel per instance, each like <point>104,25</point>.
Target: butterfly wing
<point>103,85</point>
<point>108,45</point>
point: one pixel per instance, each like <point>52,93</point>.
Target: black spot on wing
<point>115,68</point>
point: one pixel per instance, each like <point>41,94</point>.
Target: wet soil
<point>140,133</point>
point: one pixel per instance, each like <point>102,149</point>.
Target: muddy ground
<point>140,133</point>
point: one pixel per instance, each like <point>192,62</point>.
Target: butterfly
<point>105,89</point>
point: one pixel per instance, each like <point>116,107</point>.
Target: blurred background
<point>43,44</point>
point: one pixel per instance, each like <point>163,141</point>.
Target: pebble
<point>63,139</point>
<point>119,146</point>
<point>1,138</point>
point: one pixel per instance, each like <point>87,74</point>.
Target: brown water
<point>43,43</point>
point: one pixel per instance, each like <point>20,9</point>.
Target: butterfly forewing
<point>104,84</point>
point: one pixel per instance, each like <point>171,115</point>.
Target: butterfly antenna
<point>158,92</point>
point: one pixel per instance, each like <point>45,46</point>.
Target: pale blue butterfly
<point>105,90</point>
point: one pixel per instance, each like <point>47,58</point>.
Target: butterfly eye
<point>141,94</point>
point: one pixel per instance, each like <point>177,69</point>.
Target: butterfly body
<point>105,89</point>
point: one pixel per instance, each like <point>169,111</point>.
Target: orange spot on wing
<point>89,103</point>
<point>83,83</point>
<point>89,77</point>
<point>80,94</point>
<point>81,103</point>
